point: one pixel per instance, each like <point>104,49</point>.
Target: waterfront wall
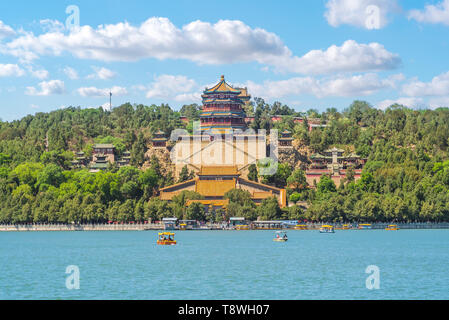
<point>142,227</point>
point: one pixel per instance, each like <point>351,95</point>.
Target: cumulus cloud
<point>438,13</point>
<point>173,87</point>
<point>47,88</point>
<point>6,31</point>
<point>97,92</point>
<point>227,41</point>
<point>350,57</point>
<point>11,70</point>
<point>102,73</point>
<point>356,85</point>
<point>50,25</point>
<point>439,86</point>
<point>368,14</point>
<point>71,73</point>
<point>40,74</point>
<point>405,101</point>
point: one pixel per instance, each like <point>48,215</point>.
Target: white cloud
<point>11,70</point>
<point>40,74</point>
<point>33,106</point>
<point>102,73</point>
<point>405,101</point>
<point>439,86</point>
<point>438,13</point>
<point>368,14</point>
<point>227,41</point>
<point>350,57</point>
<point>439,102</point>
<point>71,73</point>
<point>6,31</point>
<point>96,92</point>
<point>47,88</point>
<point>169,86</point>
<point>356,85</point>
<point>50,25</point>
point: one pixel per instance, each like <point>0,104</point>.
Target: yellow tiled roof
<point>222,86</point>
<point>211,188</point>
<point>218,171</point>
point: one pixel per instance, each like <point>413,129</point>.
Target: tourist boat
<point>327,229</point>
<point>365,226</point>
<point>166,239</point>
<point>242,227</point>
<point>182,226</point>
<point>347,227</point>
<point>280,236</point>
<point>392,227</point>
<point>300,227</point>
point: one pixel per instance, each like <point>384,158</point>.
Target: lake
<point>412,264</point>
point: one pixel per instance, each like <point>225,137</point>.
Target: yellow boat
<point>242,227</point>
<point>300,227</point>
<point>392,227</point>
<point>166,239</point>
<point>281,236</point>
<point>182,226</point>
<point>327,229</point>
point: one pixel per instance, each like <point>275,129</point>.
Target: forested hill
<point>406,177</point>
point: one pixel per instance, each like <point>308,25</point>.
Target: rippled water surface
<point>226,265</point>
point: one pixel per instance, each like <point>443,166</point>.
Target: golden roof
<point>218,171</point>
<point>214,188</point>
<point>222,86</point>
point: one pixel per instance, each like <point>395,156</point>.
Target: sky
<point>307,54</point>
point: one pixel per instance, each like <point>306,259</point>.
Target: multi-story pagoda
<point>159,140</point>
<point>222,109</point>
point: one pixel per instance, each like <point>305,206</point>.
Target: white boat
<point>280,236</point>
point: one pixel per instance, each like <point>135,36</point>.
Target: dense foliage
<point>406,177</point>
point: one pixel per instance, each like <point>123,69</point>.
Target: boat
<point>327,229</point>
<point>347,227</point>
<point>242,227</point>
<point>392,227</point>
<point>300,227</point>
<point>280,236</point>
<point>182,226</point>
<point>365,226</point>
<point>166,239</point>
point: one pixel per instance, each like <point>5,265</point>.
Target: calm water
<point>226,265</point>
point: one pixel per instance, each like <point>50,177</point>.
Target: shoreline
<point>214,227</point>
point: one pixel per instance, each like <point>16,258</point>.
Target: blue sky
<point>307,54</point>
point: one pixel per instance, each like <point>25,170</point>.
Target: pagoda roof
<point>103,145</point>
<point>222,86</point>
<point>317,156</point>
<point>334,150</point>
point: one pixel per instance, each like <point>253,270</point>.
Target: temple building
<point>125,159</point>
<point>159,140</point>
<point>103,151</point>
<point>80,161</point>
<point>222,109</point>
<point>211,142</point>
<point>285,141</point>
<point>213,182</point>
<point>333,163</point>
